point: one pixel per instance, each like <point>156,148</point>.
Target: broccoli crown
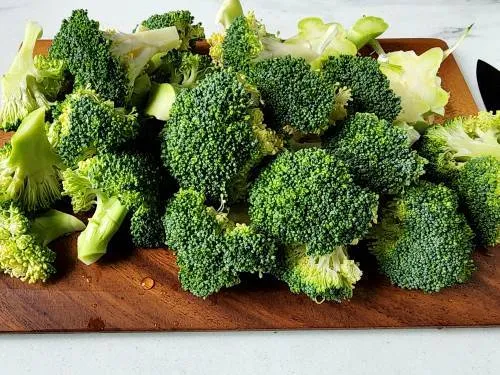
<point>377,153</point>
<point>369,86</point>
<point>108,62</point>
<point>181,68</point>
<point>215,136</point>
<point>30,83</point>
<point>29,166</point>
<point>308,197</point>
<point>146,226</point>
<point>449,146</point>
<point>212,250</point>
<point>85,125</point>
<point>422,241</point>
<point>246,41</point>
<point>23,250</point>
<point>293,94</point>
<point>183,20</point>
<point>329,277</point>
<point>478,186</point>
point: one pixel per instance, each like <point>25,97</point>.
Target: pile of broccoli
<point>268,157</point>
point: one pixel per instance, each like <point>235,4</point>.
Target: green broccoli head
<point>29,166</point>
<point>294,95</point>
<point>449,146</point>
<point>308,197</point>
<point>329,277</point>
<point>215,136</point>
<point>23,241</point>
<point>30,83</point>
<point>377,153</point>
<point>478,186</point>
<point>117,184</point>
<point>211,249</point>
<point>109,62</point>
<point>369,86</point>
<point>146,226</point>
<point>183,20</point>
<point>85,124</point>
<point>422,241</point>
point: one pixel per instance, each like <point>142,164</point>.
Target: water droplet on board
<point>147,283</point>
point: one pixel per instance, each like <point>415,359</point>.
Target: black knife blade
<point>488,79</point>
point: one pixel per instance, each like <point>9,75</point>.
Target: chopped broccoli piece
<point>23,241</point>
<point>118,184</point>
<point>377,153</point>
<point>329,277</point>
<point>85,124</point>
<point>370,88</point>
<point>228,11</point>
<point>294,95</point>
<point>211,249</point>
<point>478,186</point>
<point>29,166</point>
<point>183,20</point>
<point>30,83</point>
<point>308,197</point>
<point>215,136</point>
<point>422,241</point>
<point>108,61</point>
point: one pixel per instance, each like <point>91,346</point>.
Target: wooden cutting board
<point>138,290</point>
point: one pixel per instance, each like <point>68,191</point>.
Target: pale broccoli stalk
<point>20,94</point>
<point>53,224</point>
<point>228,11</point>
<point>414,78</point>
<point>161,100</point>
<point>29,166</point>
<point>102,226</point>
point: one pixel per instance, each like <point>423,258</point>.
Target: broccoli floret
<point>108,61</point>
<point>211,249</point>
<point>449,146</point>
<point>215,136</point>
<point>177,70</point>
<point>23,241</point>
<point>329,277</point>
<point>422,241</point>
<point>478,186</point>
<point>29,166</point>
<point>85,124</point>
<point>294,95</point>
<point>30,83</point>
<point>308,197</point>
<point>183,20</point>
<point>377,153</point>
<point>146,226</point>
<point>369,86</point>
<point>118,184</point>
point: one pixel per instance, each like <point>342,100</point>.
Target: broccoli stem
<point>229,10</point>
<point>102,226</point>
<point>34,162</point>
<point>160,102</point>
<point>54,224</point>
<point>366,29</point>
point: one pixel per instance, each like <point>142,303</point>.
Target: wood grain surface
<point>117,294</point>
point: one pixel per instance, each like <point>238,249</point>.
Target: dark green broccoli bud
<point>211,249</point>
<point>118,185</point>
<point>308,197</point>
<point>85,124</point>
<point>377,153</point>
<point>23,241</point>
<point>146,227</point>
<point>246,41</point>
<point>215,136</point>
<point>478,187</point>
<point>183,20</point>
<point>294,95</point>
<point>449,146</point>
<point>29,166</point>
<point>329,277</point>
<point>369,86</point>
<point>422,241</point>
<point>30,83</point>
<point>108,61</point>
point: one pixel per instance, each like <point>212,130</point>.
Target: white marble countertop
<point>429,351</point>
